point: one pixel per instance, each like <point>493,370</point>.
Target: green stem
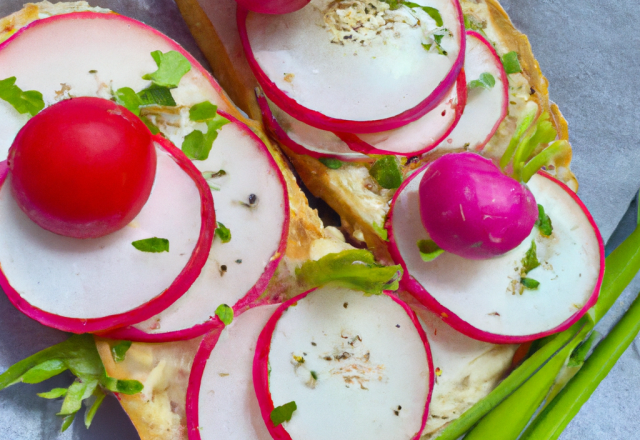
<point>523,126</point>
<point>543,158</point>
<point>557,415</point>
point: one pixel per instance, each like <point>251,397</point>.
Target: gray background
<point>589,52</point>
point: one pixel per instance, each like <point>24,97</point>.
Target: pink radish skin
<point>273,6</point>
<point>319,120</point>
<point>410,284</point>
<point>471,209</point>
<point>179,286</point>
<point>251,298</point>
<point>356,143</point>
<point>261,365</point>
<point>276,130</point>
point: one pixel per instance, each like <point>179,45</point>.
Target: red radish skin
<point>473,210</point>
<point>411,285</point>
<point>83,167</point>
<point>251,298</point>
<point>361,146</point>
<point>276,130</point>
<point>179,286</point>
<point>261,365</point>
<point>273,6</point>
<point>319,120</point>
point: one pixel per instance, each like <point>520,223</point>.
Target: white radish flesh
<point>372,366</point>
<point>481,298</point>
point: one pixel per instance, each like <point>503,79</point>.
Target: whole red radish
<point>471,209</point>
<point>273,6</point>
<point>83,167</point>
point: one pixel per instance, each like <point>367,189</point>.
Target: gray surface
<point>587,49</point>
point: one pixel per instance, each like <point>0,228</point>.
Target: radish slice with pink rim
<point>69,47</point>
<point>350,376</point>
<point>485,108</point>
<point>221,401</point>
<point>93,285</point>
<point>419,136</point>
<point>355,86</point>
<point>237,272</point>
<point>481,298</point>
<point>302,138</point>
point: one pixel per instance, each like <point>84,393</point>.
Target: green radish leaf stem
<point>522,127</point>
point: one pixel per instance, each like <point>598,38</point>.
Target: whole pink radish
<point>471,209</point>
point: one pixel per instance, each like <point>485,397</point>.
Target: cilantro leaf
<point>486,81</point>
<point>381,231</point>
<point>172,66</point>
<point>355,269</point>
<point>281,414</point>
<point>511,63</point>
<point>28,101</point>
<point>529,283</point>
<point>197,145</point>
<point>203,111</point>
<point>54,393</point>
<point>157,95</point>
<point>331,163</point>
<point>153,244</point>
<point>129,99</point>
<point>544,222</point>
<point>119,351</point>
<point>429,250</point>
<point>223,233</point>
<point>433,12</point>
<point>225,313</point>
<point>530,260</point>
<point>386,171</point>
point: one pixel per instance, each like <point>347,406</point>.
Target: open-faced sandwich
<point>142,204</point>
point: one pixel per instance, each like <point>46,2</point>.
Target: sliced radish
<point>221,401</point>
<point>486,108</point>
<point>382,83</point>
<point>93,285</point>
<point>302,138</point>
<point>356,367</point>
<point>90,54</point>
<point>236,273</point>
<point>481,298</point>
<point>419,136</point>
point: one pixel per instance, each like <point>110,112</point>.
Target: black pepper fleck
<point>345,305</point>
<point>223,268</point>
<point>314,344</point>
<point>532,91</point>
<point>239,261</point>
<point>397,325</point>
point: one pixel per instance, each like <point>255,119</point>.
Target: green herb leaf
<point>129,99</point>
<point>314,375</point>
<point>486,81</point>
<point>91,412</point>
<point>203,112</point>
<point>172,66</point>
<point>223,233</point>
<point>67,421</point>
<point>44,371</point>
<point>77,392</point>
<point>197,145</point>
<point>529,283</point>
<point>530,260</point>
<point>355,269</point>
<point>472,23</point>
<point>150,125</point>
<point>157,95</point>
<point>281,414</point>
<point>386,171</point>
<point>429,250</point>
<point>511,63</point>
<point>128,387</point>
<point>153,244</point>
<point>331,163</point>
<point>225,313</point>
<point>54,393</point>
<point>433,12</point>
<point>544,222</point>
<point>381,231</point>
<point>119,351</point>
<point>24,102</point>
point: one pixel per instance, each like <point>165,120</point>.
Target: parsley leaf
<point>529,283</point>
<point>281,414</point>
<point>203,111</point>
<point>24,102</point>
<point>331,163</point>
<point>153,244</point>
<point>172,66</point>
<point>429,250</point>
<point>355,269</point>
<point>223,233</point>
<point>386,171</point>
<point>486,81</point>
<point>225,313</point>
<point>530,260</point>
<point>511,63</point>
<point>129,99</point>
<point>119,351</point>
<point>544,222</point>
<point>197,145</point>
